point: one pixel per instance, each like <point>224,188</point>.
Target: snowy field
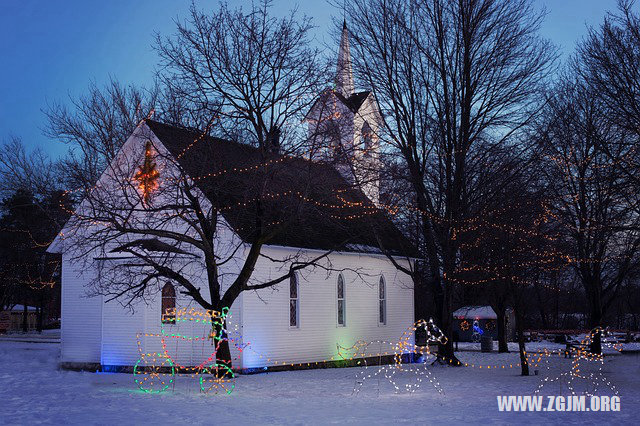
<point>34,391</point>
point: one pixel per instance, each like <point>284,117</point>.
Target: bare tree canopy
<point>255,75</point>
<point>449,77</point>
<point>592,197</point>
<point>610,63</point>
<point>96,127</point>
<point>33,171</point>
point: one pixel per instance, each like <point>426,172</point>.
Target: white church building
<point>364,296</point>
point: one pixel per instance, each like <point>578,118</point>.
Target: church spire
<point>344,73</point>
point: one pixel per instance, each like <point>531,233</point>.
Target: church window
<point>294,302</point>
<point>382,301</point>
<point>367,138</point>
<point>341,301</point>
<point>168,304</point>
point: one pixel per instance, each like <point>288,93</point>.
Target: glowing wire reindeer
<point>405,346</point>
<point>580,355</point>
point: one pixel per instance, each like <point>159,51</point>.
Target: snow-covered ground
<point>33,390</point>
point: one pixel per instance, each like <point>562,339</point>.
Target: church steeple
<point>344,73</point>
<point>344,125</point>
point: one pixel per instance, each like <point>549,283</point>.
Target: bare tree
<point>32,213</point>
<point>592,198</point>
<point>610,62</point>
<point>95,127</point>
<point>255,75</point>
<point>29,275</point>
<point>31,171</point>
<point>448,75</point>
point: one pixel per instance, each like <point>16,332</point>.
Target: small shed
<point>473,322</point>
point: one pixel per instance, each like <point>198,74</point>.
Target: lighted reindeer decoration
<point>579,354</point>
<point>405,347</point>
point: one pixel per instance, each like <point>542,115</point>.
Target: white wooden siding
<point>266,312</point>
<point>121,327</point>
<point>106,333</point>
<point>81,321</point>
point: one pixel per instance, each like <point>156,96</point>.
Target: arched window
<point>168,304</point>
<point>294,314</point>
<point>382,301</point>
<point>367,138</point>
<point>341,301</point>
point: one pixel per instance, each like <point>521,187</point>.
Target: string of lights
<point>154,372</point>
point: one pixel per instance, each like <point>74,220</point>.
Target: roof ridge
<point>199,133</point>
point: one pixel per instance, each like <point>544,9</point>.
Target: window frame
<point>165,319</point>
<point>294,278</point>
<point>342,299</point>
<point>382,301</point>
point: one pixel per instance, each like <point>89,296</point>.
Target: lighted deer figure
<point>580,355</point>
<point>405,346</point>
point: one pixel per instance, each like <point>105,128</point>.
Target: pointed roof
<point>319,223</point>
<point>355,101</point>
<point>344,72</point>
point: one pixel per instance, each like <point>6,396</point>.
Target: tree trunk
<point>503,347</point>
<point>223,352</point>
<point>541,304</point>
<point>447,351</point>
<point>25,317</point>
<point>595,317</point>
<point>524,364</point>
<point>41,313</point>
<point>422,289</point>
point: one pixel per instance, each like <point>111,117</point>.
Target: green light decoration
<point>150,378</point>
<point>217,377</point>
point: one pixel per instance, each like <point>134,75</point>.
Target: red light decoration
<point>147,175</point>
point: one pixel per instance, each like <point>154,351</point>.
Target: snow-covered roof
<point>363,248</point>
<point>20,308</point>
<point>475,312</point>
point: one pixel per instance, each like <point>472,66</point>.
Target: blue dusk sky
<point>53,49</point>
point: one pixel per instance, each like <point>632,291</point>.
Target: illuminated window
<point>168,304</point>
<point>294,313</point>
<point>341,301</point>
<point>382,301</point>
